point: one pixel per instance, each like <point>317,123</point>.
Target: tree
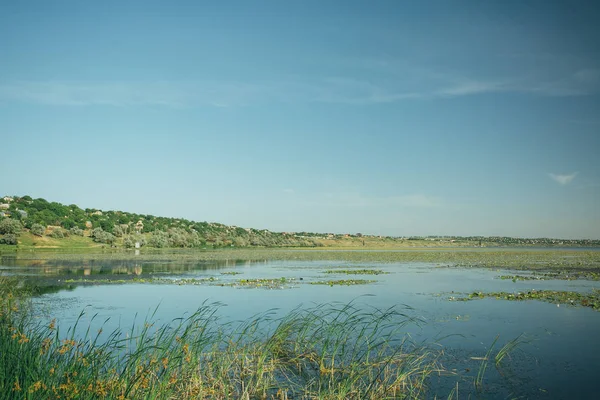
<point>37,230</point>
<point>107,225</point>
<point>68,223</point>
<point>10,226</point>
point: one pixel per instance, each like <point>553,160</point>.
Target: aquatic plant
<point>337,351</point>
<point>363,271</point>
<point>265,283</point>
<point>343,282</point>
<point>589,299</point>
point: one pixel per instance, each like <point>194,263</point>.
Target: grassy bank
<point>327,352</point>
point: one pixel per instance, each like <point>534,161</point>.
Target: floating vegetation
<point>555,275</point>
<point>364,271</point>
<point>343,282</point>
<point>515,278</point>
<point>590,299</point>
<point>231,273</point>
<point>264,283</point>
<point>165,281</point>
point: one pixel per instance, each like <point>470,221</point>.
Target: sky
<point>381,117</point>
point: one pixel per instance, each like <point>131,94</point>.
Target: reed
<point>335,351</point>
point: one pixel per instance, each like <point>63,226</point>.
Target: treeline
<point>44,218</point>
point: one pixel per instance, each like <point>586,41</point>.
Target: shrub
<point>10,226</point>
<point>57,233</point>
<point>100,236</point>
<point>159,239</point>
<point>37,230</point>
<point>8,238</point>
<point>76,231</point>
<point>118,231</point>
<point>129,241</point>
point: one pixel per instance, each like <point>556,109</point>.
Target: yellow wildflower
<point>23,339</point>
<point>36,386</point>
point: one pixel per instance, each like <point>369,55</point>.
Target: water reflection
<point>53,271</point>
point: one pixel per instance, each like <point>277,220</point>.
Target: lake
<point>558,357</point>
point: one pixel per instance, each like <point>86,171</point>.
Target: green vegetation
<point>118,228</point>
<point>355,271</point>
<point>555,275</point>
<point>333,352</point>
<point>591,299</point>
<point>265,283</point>
<point>124,229</point>
<point>343,282</point>
<point>163,281</point>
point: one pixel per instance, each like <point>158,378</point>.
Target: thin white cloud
<point>563,179</point>
<point>341,90</point>
<point>127,94</point>
<point>472,87</point>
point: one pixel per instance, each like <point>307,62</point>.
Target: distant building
<point>7,199</point>
<point>4,206</point>
<point>22,213</point>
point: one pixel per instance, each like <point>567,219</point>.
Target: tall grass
<point>322,352</point>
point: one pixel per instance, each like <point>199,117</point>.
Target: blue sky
<point>383,117</point>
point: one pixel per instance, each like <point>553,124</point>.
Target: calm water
<point>561,358</point>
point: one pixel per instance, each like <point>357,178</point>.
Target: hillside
<point>51,221</point>
<point>39,223</point>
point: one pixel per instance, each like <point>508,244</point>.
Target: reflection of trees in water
<point>51,274</point>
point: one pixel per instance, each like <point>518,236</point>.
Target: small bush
<point>10,226</point>
<point>76,231</point>
<point>118,231</point>
<point>58,233</point>
<point>100,236</point>
<point>37,230</point>
<point>9,238</point>
<point>159,239</point>
<point>129,241</point>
